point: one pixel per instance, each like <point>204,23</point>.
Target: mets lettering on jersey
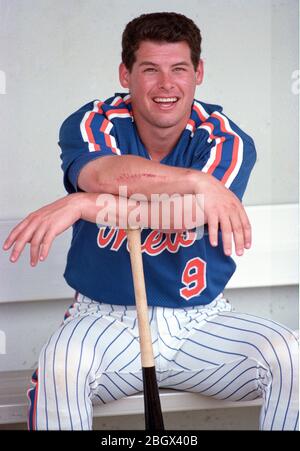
<point>179,270</point>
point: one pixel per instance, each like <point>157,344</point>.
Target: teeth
<point>165,99</point>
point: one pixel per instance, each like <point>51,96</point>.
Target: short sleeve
<point>84,136</point>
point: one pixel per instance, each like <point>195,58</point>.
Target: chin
<point>166,122</point>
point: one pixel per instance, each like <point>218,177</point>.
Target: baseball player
<point>155,138</point>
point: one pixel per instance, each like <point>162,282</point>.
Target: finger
<point>36,242</point>
<point>247,229</point>
<point>22,239</point>
<point>238,234</point>
<point>226,229</point>
<point>46,245</point>
<point>14,234</point>
<point>213,228</point>
<point>18,248</point>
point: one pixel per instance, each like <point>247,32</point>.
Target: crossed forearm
<point>221,209</point>
<point>139,176</point>
<point>172,213</point>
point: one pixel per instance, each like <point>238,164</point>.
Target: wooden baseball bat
<point>152,407</point>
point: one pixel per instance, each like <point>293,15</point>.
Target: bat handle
<point>134,244</point>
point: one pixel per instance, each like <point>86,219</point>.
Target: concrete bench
<point>272,261</point>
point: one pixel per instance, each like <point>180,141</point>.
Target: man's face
<point>162,83</point>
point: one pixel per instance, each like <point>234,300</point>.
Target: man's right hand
<point>41,227</point>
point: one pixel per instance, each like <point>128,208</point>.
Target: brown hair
<point>160,27</point>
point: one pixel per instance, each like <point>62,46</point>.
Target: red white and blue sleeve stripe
<point>86,135</point>
<point>230,153</point>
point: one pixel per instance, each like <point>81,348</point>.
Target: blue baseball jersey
<point>180,270</point>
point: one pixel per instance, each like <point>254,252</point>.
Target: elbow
<point>88,185</point>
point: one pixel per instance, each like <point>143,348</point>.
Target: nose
<point>165,81</point>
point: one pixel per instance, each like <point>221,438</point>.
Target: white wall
<point>57,55</point>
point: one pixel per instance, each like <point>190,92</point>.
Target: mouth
<point>165,101</point>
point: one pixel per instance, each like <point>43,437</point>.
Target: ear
<point>200,72</point>
<point>124,75</point>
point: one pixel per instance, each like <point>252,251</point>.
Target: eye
<point>179,69</point>
<point>150,69</point>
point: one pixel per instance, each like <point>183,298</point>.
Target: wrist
<point>80,203</point>
<point>198,181</point>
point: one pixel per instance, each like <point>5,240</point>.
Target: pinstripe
<point>113,341</point>
<point>66,378</point>
<point>276,358</point>
<point>248,343</point>
<point>105,388</point>
<point>170,376</point>
<point>120,353</point>
<point>173,336</point>
<point>202,380</point>
<point>130,362</point>
<point>66,370</point>
<point>174,361</point>
<point>98,339</point>
<point>86,331</point>
<point>227,339</point>
<point>223,377</point>
<point>211,322</point>
<point>53,370</point>
<point>178,323</point>
<point>185,380</point>
<point>269,321</point>
<point>53,374</point>
<point>167,324</point>
<point>44,382</point>
<point>135,388</point>
<point>134,375</point>
<point>238,341</point>
<point>91,366</point>
<point>115,384</point>
<point>239,388</point>
<point>247,397</point>
<point>289,353</point>
<point>243,372</point>
<point>134,324</point>
<point>187,353</point>
<point>152,316</point>
<point>45,390</point>
<point>205,349</point>
<point>77,377</point>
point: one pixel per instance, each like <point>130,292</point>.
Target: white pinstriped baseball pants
<point>94,357</point>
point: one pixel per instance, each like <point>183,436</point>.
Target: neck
<point>159,141</point>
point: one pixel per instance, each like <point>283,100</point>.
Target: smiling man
<point>162,85</point>
<point>155,139</point>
